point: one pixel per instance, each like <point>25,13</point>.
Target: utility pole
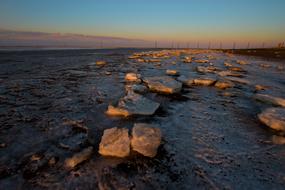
<point>234,45</point>
<point>248,45</point>
<point>113,44</point>
<point>263,45</point>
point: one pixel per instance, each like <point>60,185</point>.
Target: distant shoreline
<point>268,53</point>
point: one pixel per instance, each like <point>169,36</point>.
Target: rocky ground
<point>221,118</point>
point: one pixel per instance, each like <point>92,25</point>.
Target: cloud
<point>28,38</point>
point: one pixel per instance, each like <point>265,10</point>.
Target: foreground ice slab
<point>204,81</point>
<point>270,99</point>
<point>115,142</point>
<point>145,139</point>
<point>163,84</point>
<point>202,61</point>
<point>133,104</point>
<point>78,158</point>
<point>238,80</point>
<point>273,118</point>
<point>171,72</point>
<point>278,139</point>
<point>100,63</point>
<point>208,69</point>
<point>237,69</point>
<point>229,73</point>
<point>137,88</point>
<point>133,77</point>
<point>186,81</point>
<point>223,84</point>
<point>242,62</point>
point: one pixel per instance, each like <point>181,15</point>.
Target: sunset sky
<point>163,20</point>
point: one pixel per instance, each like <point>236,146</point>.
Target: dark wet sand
<point>210,141</point>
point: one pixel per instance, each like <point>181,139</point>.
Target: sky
<point>226,21</point>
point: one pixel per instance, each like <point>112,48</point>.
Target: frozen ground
<point>53,103</point>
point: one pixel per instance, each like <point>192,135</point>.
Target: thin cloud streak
<point>27,38</point>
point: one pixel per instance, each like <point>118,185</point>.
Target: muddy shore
<point>53,104</point>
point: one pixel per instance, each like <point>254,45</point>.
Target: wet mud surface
<point>53,103</point>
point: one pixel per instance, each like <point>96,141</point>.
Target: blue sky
<point>220,20</point>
